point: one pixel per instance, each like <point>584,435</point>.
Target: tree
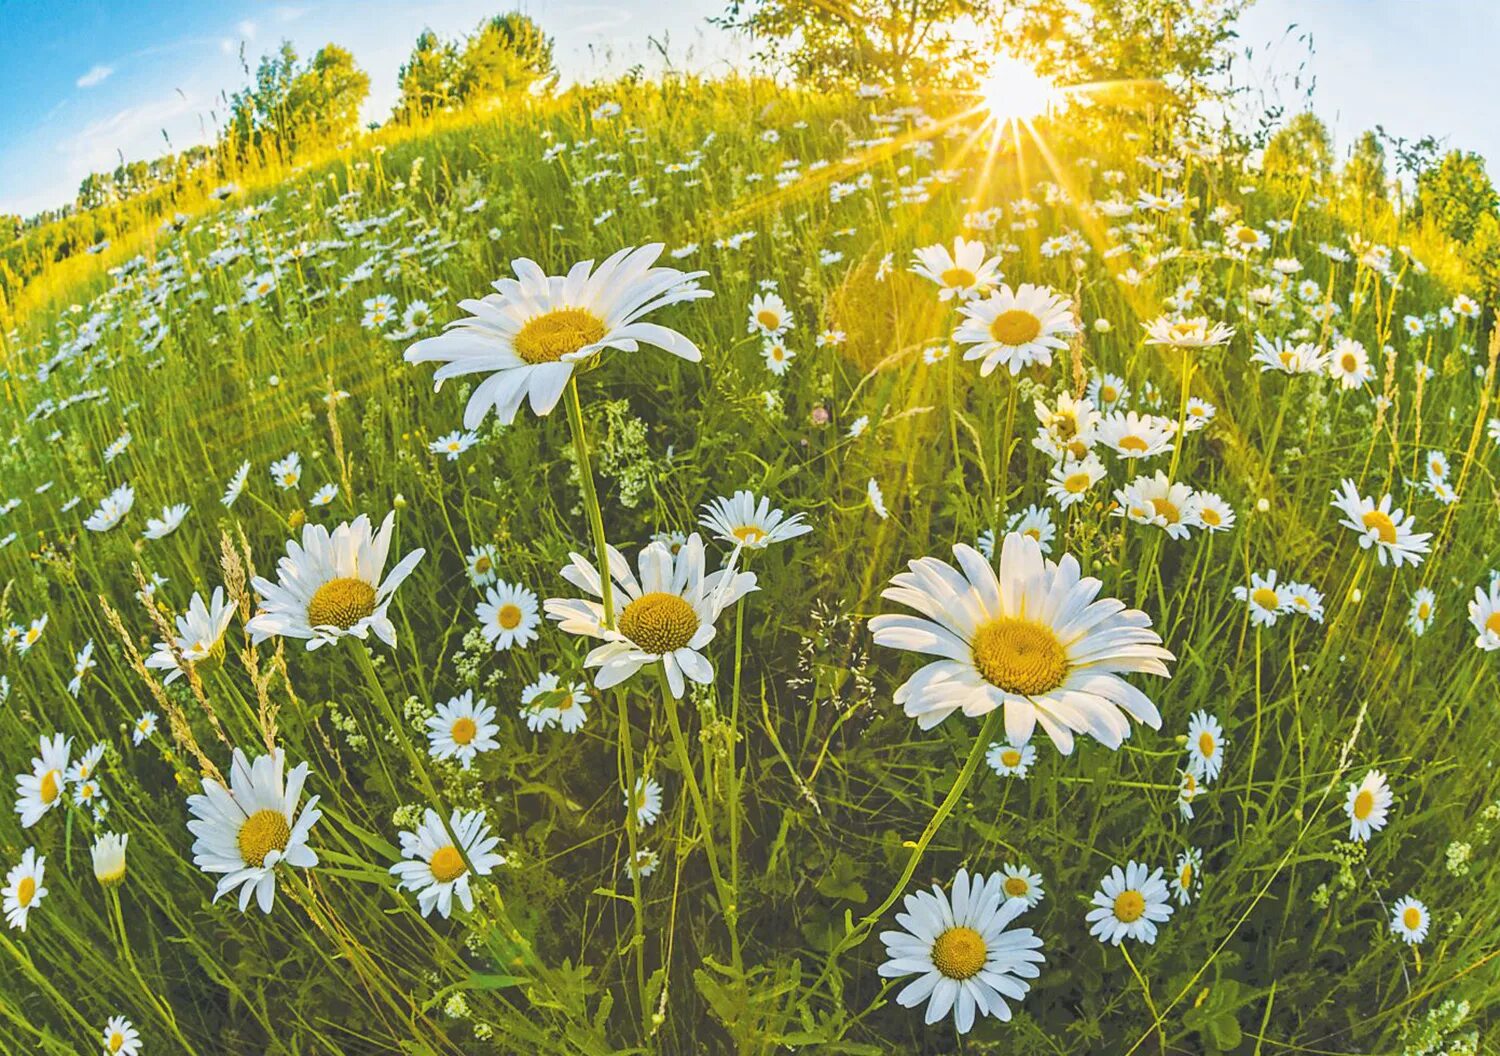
<point>291,106</point>
<point>1455,194</point>
<point>429,79</point>
<point>1300,148</point>
<point>505,54</point>
<point>1364,172</point>
<point>876,41</point>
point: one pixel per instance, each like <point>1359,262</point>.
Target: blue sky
<point>84,81</point>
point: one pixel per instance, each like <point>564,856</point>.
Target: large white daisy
<point>962,951</point>
<point>1484,614</point>
<point>246,830</point>
<point>666,615</point>
<point>1033,640</point>
<point>330,586</point>
<point>963,273</point>
<point>534,329</point>
<point>1015,328</point>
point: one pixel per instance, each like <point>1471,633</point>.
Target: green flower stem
<point>591,500</point>
<point>626,765</point>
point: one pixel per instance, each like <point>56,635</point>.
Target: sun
<point>1013,91</point>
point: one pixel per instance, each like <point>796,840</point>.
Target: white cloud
<point>246,29</point>
<point>95,76</point>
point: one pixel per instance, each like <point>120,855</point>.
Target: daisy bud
<point>108,854</point>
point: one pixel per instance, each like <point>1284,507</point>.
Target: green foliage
<point>1300,150</point>
<point>1455,194</point>
<point>291,107</point>
<point>1364,172</point>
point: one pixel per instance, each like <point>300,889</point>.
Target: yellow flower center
<point>1411,917</point>
<point>1166,510</point>
<point>1349,362</point>
<point>958,277</point>
<point>1077,483</point>
<point>1382,525</point>
<point>1247,235</point>
<point>1016,886</point>
<point>959,953</point>
<point>1131,442</point>
<point>263,832</point>
<point>341,603</point>
<point>116,1041</point>
<point>1108,394</point>
<point>26,891</point>
<point>558,333</point>
<point>1493,623</point>
<point>1210,516</point>
<point>464,730</point>
<point>1424,610</point>
<point>768,319</point>
<point>509,616</point>
<point>50,785</point>
<point>1206,744</point>
<point>1364,804</point>
<point>1265,597</point>
<point>749,534</point>
<point>1185,875</point>
<point>1020,655</point>
<point>1015,327</point>
<point>482,564</point>
<point>447,864</point>
<point>1189,787</point>
<point>659,622</point>
<point>1010,757</point>
<point>1129,906</point>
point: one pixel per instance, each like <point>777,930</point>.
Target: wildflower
<point>453,444</point>
<point>1368,805</point>
<point>962,950</point>
<point>481,562</point>
<point>769,315</point>
<point>1265,599</point>
<point>1189,878</point>
<point>1130,903</point>
<point>1021,884</point>
<point>1132,435</point>
<point>108,855</point>
<point>1032,639</point>
<point>548,702</point>
<point>42,789</point>
<point>961,274</point>
<point>111,510</point>
<point>1388,530</point>
<point>1205,746</point>
<point>145,726</point>
<point>742,522</point>
<point>1068,482</point>
<point>1015,329</point>
<point>329,587</point>
<point>121,1038</point>
<point>200,635</point>
<point>461,729</point>
<point>236,485</point>
<point>1160,502</point>
<point>1349,364</point>
<point>1196,333</point>
<point>1484,614</point>
<point>23,888</point>
<point>1009,760</point>
<point>645,801</point>
<point>245,831</point>
<point>437,868</point>
<point>1410,920</point>
<point>508,615</point>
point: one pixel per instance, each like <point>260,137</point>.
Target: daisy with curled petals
<point>1368,805</point>
<point>437,868</point>
<point>1015,328</point>
<point>330,586</point>
<point>1288,357</point>
<point>744,523</point>
<point>1205,746</point>
<point>1129,904</point>
<point>1189,878</point>
<point>1034,640</point>
<point>1388,531</point>
<point>963,273</point>
<point>1132,435</point>
<point>1187,333</point>
<point>666,616</point>
<point>1160,502</point>
<point>1021,883</point>
<point>1410,920</point>
<point>1484,614</point>
<point>1009,760</point>
<point>530,334</point>
<point>507,615</point>
<point>170,520</point>
<point>42,789</point>
<point>1066,430</point>
<point>246,830</point>
<point>961,948</point>
<point>461,729</point>
<point>23,888</point>
<point>200,636</point>
<point>121,1038</point>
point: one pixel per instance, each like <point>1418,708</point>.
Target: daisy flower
<point>1349,364</point>
<point>645,801</point>
<point>508,615</point>
<point>1034,639</point>
<point>453,444</point>
<point>23,888</point>
<point>330,586</point>
<point>666,615</point>
<point>111,510</point>
<point>529,334</point>
<point>1132,435</point>
<point>108,856</point>
<point>1288,357</point>
<point>461,729</point>
<point>286,473</point>
<point>1035,521</point>
<point>1129,905</point>
<point>1022,884</point>
<point>1187,791</point>
<point>742,522</point>
<point>1196,333</point>
<point>200,635</point>
<point>1388,530</point>
<point>1305,600</point>
<point>145,726</point>
<point>1106,390</point>
<point>1410,920</point>
<point>1368,805</point>
<point>1266,600</point>
<point>169,521</point>
<point>1484,614</point>
<point>42,789</point>
<point>481,562</point>
<point>1420,617</point>
<point>1214,514</point>
<point>1066,430</point>
<point>962,950</point>
<point>769,315</point>
<point>777,356</point>
<point>547,702</point>
<point>1205,746</point>
<point>437,868</point>
<point>1068,482</point>
<point>324,495</point>
<point>876,499</point>
<point>645,862</point>
<point>1016,328</point>
<point>1159,502</point>
<point>963,273</point>
<point>121,1038</point>
<point>245,831</point>
<point>1189,878</point>
<point>1009,760</point>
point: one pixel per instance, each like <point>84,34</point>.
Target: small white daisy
<point>1130,903</point>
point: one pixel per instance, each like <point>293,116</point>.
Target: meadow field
<point>1103,659</point>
